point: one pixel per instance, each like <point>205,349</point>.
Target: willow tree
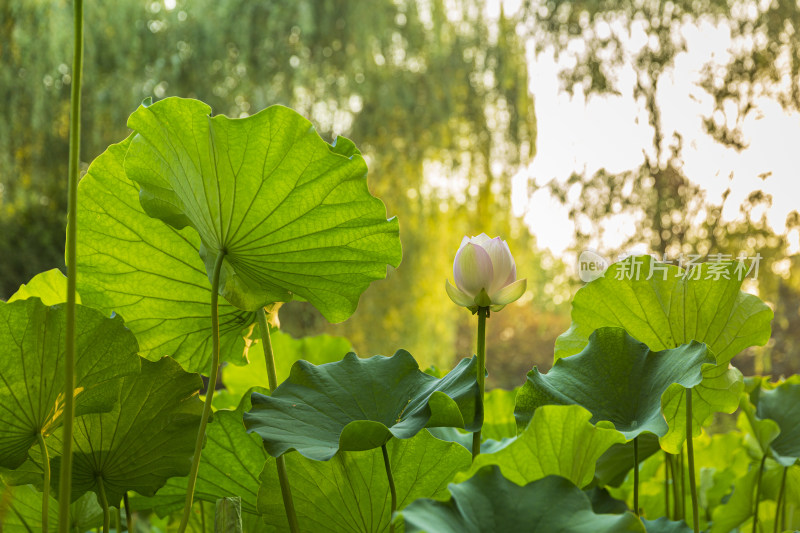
<point>673,215</point>
<point>436,95</point>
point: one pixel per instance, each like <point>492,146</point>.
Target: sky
<point>580,134</point>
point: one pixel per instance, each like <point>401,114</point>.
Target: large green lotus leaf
<point>612,467</point>
<point>489,503</point>
<point>292,214</point>
<point>719,391</point>
<point>50,287</point>
<point>782,405</point>
<point>148,272</point>
<point>618,379</point>
<point>21,511</point>
<point>231,463</point>
<point>32,371</point>
<point>558,441</point>
<point>359,404</point>
<point>316,350</point>
<point>350,492</point>
<point>146,439</point>
<point>667,310</point>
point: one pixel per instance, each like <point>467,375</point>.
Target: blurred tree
<point>672,214</point>
<point>434,93</point>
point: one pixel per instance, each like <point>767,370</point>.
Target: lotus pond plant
<point>190,233</point>
<point>486,280</point>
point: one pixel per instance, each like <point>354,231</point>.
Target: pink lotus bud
<point>485,274</point>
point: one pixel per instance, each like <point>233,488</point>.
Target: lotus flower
<point>485,274</point>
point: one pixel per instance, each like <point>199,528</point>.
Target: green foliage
<point>147,438</point>
<point>612,467</point>
<point>350,491</point>
<point>291,215</point>
<point>618,379</point>
<point>559,441</point>
<point>490,503</point>
<point>359,404</point>
<point>21,511</point>
<point>50,287</point>
<point>317,350</point>
<point>782,405</point>
<point>667,310</point>
<point>294,218</point>
<point>230,465</point>
<point>664,307</point>
<point>148,272</point>
<point>32,379</point>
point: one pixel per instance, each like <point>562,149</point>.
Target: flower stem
<point>65,485</point>
<point>690,456</point>
<point>283,477</point>
<point>392,490</point>
<point>682,471</point>
<point>212,381</point>
<point>104,504</point>
<point>46,488</point>
<point>758,492</point>
<point>128,512</point>
<point>483,313</point>
<point>781,500</point>
<point>666,484</point>
<point>636,475</point>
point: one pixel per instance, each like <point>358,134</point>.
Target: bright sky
<point>575,135</point>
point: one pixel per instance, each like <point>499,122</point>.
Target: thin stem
<point>391,486</point>
<point>46,489</point>
<point>65,485</point>
<point>128,512</point>
<point>636,475</point>
<point>690,455</point>
<point>758,492</point>
<point>778,515</point>
<point>666,484</point>
<point>283,476</point>
<point>212,381</point>
<point>202,517</point>
<point>673,469</point>
<point>483,313</point>
<point>119,519</point>
<point>104,504</point>
<point>682,470</point>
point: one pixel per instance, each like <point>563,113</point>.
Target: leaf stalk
<point>283,476</point>
<point>758,491</point>
<point>392,489</point>
<point>104,504</point>
<point>483,313</point>
<point>46,488</point>
<point>636,475</point>
<point>781,501</point>
<point>690,456</point>
<point>65,485</point>
<point>212,381</point>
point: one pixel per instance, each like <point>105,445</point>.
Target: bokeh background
<point>670,127</point>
